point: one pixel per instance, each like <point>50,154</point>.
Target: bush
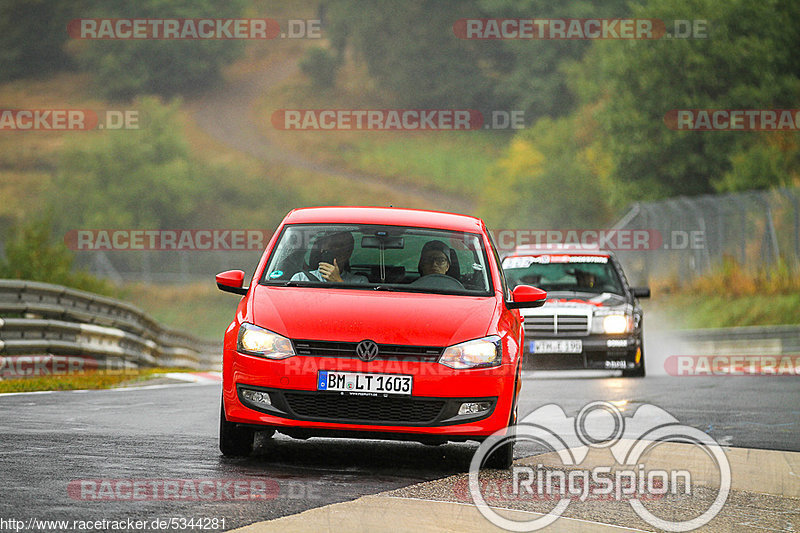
<point>123,69</point>
<point>32,36</point>
<point>145,178</point>
<point>32,254</point>
<point>320,65</point>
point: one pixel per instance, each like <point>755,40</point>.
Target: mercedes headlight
<point>617,324</point>
<point>254,340</point>
<point>479,353</point>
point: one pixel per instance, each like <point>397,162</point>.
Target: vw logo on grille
<point>367,350</point>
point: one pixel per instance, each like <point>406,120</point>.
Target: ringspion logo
<point>629,440</point>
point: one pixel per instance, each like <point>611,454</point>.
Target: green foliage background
<point>595,138</point>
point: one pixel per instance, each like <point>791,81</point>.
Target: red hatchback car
<point>378,323</point>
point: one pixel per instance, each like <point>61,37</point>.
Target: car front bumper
<point>297,408</point>
<point>600,352</point>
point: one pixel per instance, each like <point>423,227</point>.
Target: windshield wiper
<point>384,288</point>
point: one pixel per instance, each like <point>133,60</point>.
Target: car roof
<point>393,216</point>
<point>558,250</point>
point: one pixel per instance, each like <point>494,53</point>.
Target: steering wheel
<point>438,281</point>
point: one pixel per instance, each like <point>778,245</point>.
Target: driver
<point>434,259</point>
<point>336,250</point>
<point>585,279</point>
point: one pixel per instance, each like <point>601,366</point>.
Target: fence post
<point>796,218</point>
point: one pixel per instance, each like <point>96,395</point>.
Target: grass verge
<point>84,380</point>
<point>447,161</point>
<point>732,296</point>
<point>693,311</point>
<point>199,308</point>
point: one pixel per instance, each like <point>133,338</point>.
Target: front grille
<point>385,351</point>
<point>553,361</point>
<point>332,407</point>
<point>558,324</point>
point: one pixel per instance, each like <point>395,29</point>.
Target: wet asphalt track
<point>49,440</point>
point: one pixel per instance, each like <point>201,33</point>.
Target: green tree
<point>529,73</point>
<point>772,161</point>
<point>145,178</point>
<point>32,254</point>
<point>32,36</point>
<point>123,69</point>
<point>410,50</point>
<point>748,61</point>
<point>320,65</point>
<point>553,175</point>
<point>150,179</point>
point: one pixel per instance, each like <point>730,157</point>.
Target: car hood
<point>582,301</point>
<point>352,315</point>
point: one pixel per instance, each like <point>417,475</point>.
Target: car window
<point>503,280</point>
<point>564,273</point>
<point>386,257</point>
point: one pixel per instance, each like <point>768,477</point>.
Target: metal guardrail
<point>56,320</point>
<point>755,340</point>
<point>757,229</point>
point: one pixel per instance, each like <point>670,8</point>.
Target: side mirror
<point>641,292</point>
<point>231,281</point>
<point>526,296</point>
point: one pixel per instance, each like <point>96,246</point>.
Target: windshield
<point>554,273</point>
<point>380,258</point>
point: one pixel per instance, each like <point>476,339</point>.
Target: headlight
<point>258,341</point>
<point>616,324</point>
<point>479,353</point>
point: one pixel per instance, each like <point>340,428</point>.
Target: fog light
<point>258,397</point>
<point>472,408</point>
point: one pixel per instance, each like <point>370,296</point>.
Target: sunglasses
<point>440,260</point>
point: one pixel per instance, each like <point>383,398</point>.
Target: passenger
<point>585,279</point>
<point>334,260</point>
<point>434,259</point>
<point>530,279</point>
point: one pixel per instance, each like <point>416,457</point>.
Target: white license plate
<point>557,346</point>
<point>365,383</point>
